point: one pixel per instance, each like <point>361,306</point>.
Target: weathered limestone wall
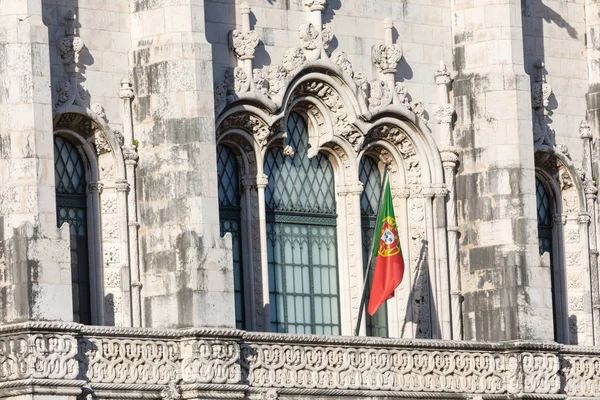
<point>104,28</point>
<point>507,292</point>
<point>35,271</point>
<point>187,271</point>
<point>421,29</point>
<point>554,33</point>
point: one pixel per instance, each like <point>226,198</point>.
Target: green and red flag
<point>389,265</point>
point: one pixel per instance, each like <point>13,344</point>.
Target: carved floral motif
<point>243,44</point>
<point>386,57</point>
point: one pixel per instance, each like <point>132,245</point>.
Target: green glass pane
<point>301,236</point>
<point>230,221</point>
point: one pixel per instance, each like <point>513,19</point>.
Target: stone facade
<point>485,114</point>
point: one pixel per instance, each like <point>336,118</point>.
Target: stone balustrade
<point>134,363</point>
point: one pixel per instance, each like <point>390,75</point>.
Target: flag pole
<point>370,263</point>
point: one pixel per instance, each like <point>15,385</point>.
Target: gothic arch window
<point>71,207</point>
<point>230,219</point>
<point>370,176</point>
<point>301,238</point>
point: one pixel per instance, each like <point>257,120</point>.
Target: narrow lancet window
<point>230,221</point>
<point>71,207</point>
<point>369,175</point>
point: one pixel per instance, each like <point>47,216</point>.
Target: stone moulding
<point>128,362</point>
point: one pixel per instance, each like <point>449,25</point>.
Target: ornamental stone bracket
<point>70,91</point>
<point>173,364</point>
<point>543,134</point>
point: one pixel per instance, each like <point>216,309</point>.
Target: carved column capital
<point>560,219</point>
<point>401,193</point>
<point>584,218</point>
<point>585,132</point>
<point>243,44</point>
<point>130,155</point>
<point>386,57</point>
<point>95,187</point>
<point>314,5</point>
<point>126,90</point>
<point>350,189</point>
<point>449,156</point>
<point>122,186</point>
<point>442,75</point>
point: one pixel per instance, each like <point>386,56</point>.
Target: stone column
<point>432,263</point>
<point>262,181</point>
<point>441,246</point>
<point>35,270</point>
<point>443,114</point>
<point>131,160</point>
<point>243,43</point>
<point>495,188</point>
<point>187,268</point>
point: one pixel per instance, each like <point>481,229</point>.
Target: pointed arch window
<point>230,221</point>
<point>301,238</point>
<point>544,216</point>
<point>71,207</point>
<point>369,175</point>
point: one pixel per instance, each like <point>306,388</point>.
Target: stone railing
<point>127,363</point>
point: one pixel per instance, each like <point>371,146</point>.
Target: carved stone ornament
<point>540,90</point>
<point>380,95</point>
<point>252,124</point>
<point>69,46</point>
<point>171,392</point>
<point>442,76</point>
<point>585,132</point>
<point>443,113</point>
<point>386,57</point>
<point>97,109</point>
<point>101,143</point>
<point>293,59</point>
<point>243,44</point>
<point>312,39</point>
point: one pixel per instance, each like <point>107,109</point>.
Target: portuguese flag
<point>389,265</point>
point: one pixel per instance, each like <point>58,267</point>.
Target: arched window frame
<point>89,158</point>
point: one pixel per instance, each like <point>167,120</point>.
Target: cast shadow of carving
<point>419,308</point>
<point>331,7</point>
<point>85,349</point>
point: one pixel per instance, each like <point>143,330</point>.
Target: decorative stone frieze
<point>126,358</point>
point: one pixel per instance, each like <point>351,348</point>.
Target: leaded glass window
<point>230,221</point>
<point>301,238</point>
<point>544,216</point>
<point>71,207</point>
<point>377,325</point>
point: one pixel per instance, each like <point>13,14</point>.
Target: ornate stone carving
<point>293,59</point>
<point>171,392</point>
<point>443,113</point>
<point>380,95</point>
<point>585,132</point>
<point>442,76</point>
<point>101,143</point>
<point>210,361</point>
<point>341,60</point>
<point>386,57</point>
<point>69,46</point>
<point>243,44</point>
<point>312,39</point>
<point>252,124</point>
<point>97,109</point>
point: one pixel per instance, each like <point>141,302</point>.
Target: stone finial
<point>126,90</point>
<point>314,5</point>
<point>386,56</point>
<point>69,46</point>
<point>442,76</point>
<point>585,132</point>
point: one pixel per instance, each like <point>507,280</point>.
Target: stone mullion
<point>559,249</point>
<point>262,268</point>
<point>444,312</point>
<point>252,268</point>
<point>400,325</point>
<point>95,252</point>
<point>432,263</point>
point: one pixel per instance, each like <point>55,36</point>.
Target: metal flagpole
<point>370,264</point>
